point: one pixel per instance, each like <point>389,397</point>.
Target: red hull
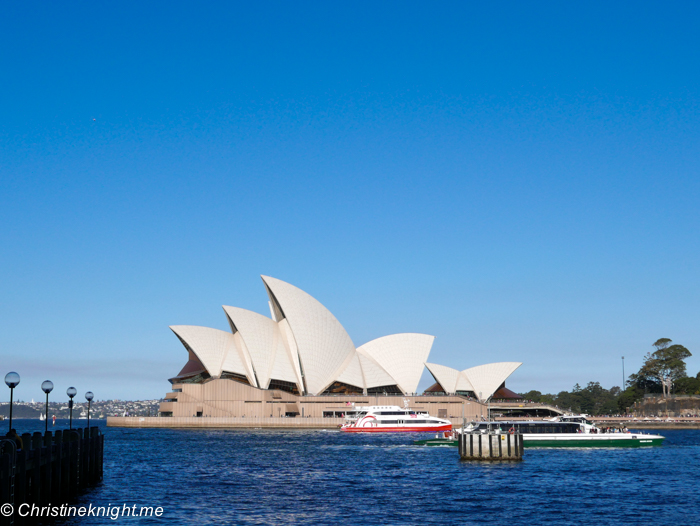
<point>406,429</point>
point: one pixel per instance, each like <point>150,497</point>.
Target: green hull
<point>445,442</point>
<point>626,442</point>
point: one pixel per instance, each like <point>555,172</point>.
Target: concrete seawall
<point>224,422</point>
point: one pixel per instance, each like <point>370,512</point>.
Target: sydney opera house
<point>300,362</point>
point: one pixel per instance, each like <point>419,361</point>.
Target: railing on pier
<point>50,468</point>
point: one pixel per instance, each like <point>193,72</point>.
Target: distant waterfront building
<point>302,358</point>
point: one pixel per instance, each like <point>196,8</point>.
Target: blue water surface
<point>324,477</point>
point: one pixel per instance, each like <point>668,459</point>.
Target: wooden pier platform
<point>48,469</point>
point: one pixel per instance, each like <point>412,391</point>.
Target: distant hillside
<point>19,411</point>
<point>100,409</point>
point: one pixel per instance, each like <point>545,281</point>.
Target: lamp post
<point>89,396</point>
<point>12,381</point>
<point>47,387</point>
<point>623,373</point>
<point>71,392</point>
<point>464,418</point>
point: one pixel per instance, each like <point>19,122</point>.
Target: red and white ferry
<point>391,419</point>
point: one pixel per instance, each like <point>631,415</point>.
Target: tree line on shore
<point>663,372</point>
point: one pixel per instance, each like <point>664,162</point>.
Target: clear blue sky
<point>520,180</point>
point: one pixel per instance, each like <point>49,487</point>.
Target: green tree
<point>548,399</point>
<point>596,400</point>
<point>662,343</point>
<point>628,397</point>
<point>662,367</point>
<point>569,400</point>
<point>687,385</point>
<point>532,395</point>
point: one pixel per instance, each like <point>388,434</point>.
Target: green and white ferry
<point>561,431</point>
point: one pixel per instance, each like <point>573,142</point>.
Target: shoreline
<point>174,422</point>
<point>144,422</point>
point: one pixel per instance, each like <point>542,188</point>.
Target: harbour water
<point>320,477</point>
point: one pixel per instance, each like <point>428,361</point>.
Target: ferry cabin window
<point>411,421</point>
<point>532,428</point>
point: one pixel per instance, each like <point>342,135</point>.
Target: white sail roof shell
<point>305,344</point>
<point>257,332</point>
<point>324,348</point>
<point>363,371</point>
<point>463,383</point>
<point>288,347</point>
<point>352,375</point>
<point>282,368</point>
<point>265,345</point>
<point>445,376</point>
<point>403,356</point>
<point>486,379</point>
<point>230,361</point>
<point>214,348</point>
<point>375,375</point>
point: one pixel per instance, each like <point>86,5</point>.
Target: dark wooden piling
<point>8,461</point>
<point>49,469</point>
<point>484,446</point>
